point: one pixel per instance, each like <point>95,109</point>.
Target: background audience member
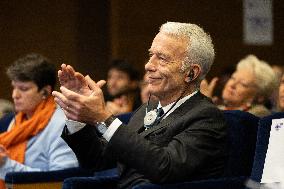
<point>281,94</point>
<point>123,93</point>
<point>248,88</point>
<point>180,137</point>
<point>6,107</point>
<point>215,86</point>
<point>279,70</point>
<point>32,141</point>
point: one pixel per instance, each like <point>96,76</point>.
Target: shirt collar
<point>180,102</point>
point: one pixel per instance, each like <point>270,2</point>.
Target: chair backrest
<point>5,121</point>
<point>265,125</point>
<point>242,139</point>
<point>125,117</point>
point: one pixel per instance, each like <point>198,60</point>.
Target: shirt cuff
<point>74,126</point>
<point>111,129</point>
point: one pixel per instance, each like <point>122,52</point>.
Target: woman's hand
<point>208,88</point>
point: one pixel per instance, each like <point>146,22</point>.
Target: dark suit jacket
<point>187,145</point>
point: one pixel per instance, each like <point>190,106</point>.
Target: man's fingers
<point>69,95</point>
<point>63,66</point>
<point>80,78</point>
<point>63,74</point>
<point>64,70</point>
<point>70,70</point>
<point>67,108</point>
<point>93,85</point>
<point>101,83</point>
<point>60,99</point>
<point>66,100</point>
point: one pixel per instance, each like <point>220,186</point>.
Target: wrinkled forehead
<point>164,42</point>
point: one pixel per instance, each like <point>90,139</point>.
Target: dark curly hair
<point>33,67</point>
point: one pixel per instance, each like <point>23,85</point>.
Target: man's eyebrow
<point>150,51</point>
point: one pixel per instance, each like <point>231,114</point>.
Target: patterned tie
<point>160,113</point>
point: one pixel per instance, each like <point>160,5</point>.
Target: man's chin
<point>153,90</point>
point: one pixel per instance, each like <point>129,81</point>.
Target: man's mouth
<point>151,80</point>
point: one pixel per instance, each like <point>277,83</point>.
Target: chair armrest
<point>98,182</point>
<point>108,173</point>
<point>51,178</point>
<point>220,183</point>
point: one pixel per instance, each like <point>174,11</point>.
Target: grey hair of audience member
<point>265,78</point>
<point>200,49</point>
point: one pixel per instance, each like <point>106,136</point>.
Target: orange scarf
<point>15,140</point>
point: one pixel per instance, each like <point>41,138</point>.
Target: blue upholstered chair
<point>242,138</point>
<point>262,146</point>
<point>102,180</point>
<point>5,121</point>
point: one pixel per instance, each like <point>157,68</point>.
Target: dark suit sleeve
<point>90,149</point>
<point>199,142</point>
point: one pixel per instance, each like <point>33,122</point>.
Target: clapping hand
<point>73,81</point>
<point>81,98</point>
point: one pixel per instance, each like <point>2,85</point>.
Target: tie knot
<point>160,112</point>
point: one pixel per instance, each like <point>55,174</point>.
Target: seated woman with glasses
<point>32,139</point>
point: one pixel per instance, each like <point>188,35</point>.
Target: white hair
<point>200,49</point>
<point>265,77</point>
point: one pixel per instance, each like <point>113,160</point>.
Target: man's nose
<point>151,65</point>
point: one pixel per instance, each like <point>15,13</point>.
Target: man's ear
<point>193,73</point>
<point>189,76</point>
